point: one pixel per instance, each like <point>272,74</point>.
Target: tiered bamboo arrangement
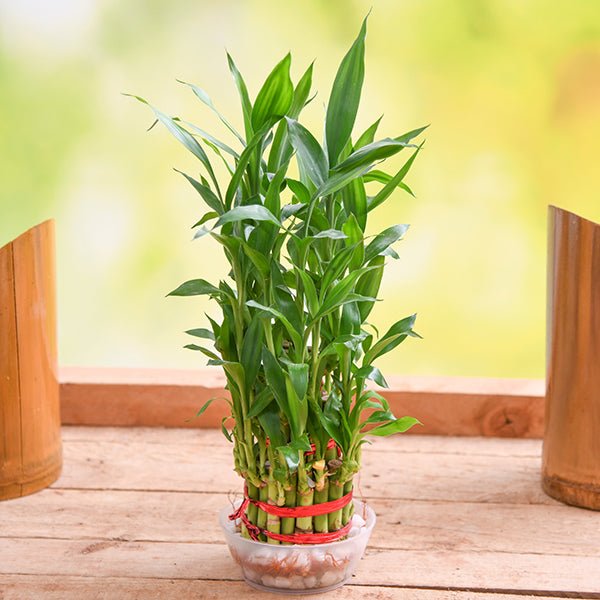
<point>293,338</point>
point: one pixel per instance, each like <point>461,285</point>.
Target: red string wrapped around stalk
<point>313,510</point>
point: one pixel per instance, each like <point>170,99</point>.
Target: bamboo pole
<point>30,444</point>
<point>571,456</point>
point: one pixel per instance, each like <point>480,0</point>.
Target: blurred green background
<point>511,89</point>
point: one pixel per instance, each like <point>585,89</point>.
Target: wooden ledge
<point>170,398</point>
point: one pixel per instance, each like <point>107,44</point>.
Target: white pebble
<point>282,582</point>
<point>301,560</point>
<point>268,580</point>
<point>310,582</point>
<point>297,582</point>
<point>358,521</point>
<point>329,578</point>
<point>251,574</point>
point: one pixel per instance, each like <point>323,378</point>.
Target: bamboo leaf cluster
<point>294,340</point>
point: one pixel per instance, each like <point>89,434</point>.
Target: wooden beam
<point>170,398</point>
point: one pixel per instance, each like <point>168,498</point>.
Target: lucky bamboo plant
<point>293,338</point>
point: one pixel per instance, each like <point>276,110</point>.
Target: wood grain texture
<point>171,398</point>
<point>191,464</point>
<point>511,571</point>
<point>571,457</point>
<point>420,525</point>
<point>30,450</point>
<point>33,587</point>
<point>474,520</point>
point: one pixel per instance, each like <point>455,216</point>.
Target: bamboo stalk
<point>321,496</point>
<point>348,510</point>
<point>336,491</point>
<point>273,521</point>
<point>261,519</point>
<point>305,497</point>
<point>288,524</point>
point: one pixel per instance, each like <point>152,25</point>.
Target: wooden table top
<point>134,515</point>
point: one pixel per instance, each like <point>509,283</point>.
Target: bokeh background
<point>511,89</point>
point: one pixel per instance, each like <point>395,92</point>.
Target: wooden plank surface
<point>417,525</point>
<point>189,465</point>
<point>170,398</point>
<point>31,587</point>
<point>134,516</point>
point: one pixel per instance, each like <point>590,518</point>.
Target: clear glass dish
<point>299,569</point>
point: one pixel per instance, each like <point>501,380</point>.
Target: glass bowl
<point>299,568</point>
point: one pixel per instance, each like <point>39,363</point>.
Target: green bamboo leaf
<point>289,210</point>
<point>204,351</point>
<point>244,97</point>
<point>382,177</point>
<point>339,293</point>
<point>350,322</point>
<point>262,400</point>
<point>372,373</point>
<point>250,355</point>
<point>368,285</point>
<point>232,245</point>
<point>207,194</point>
<point>196,287</point>
<point>389,187</point>
<point>398,426</point>
<point>379,416</point>
<point>345,97</point>
<point>215,144</point>
<point>311,158</point>
<point>336,267</point>
<point>330,234</point>
<point>394,336</point>
<point>297,409</point>
<point>294,335</point>
<point>310,290</point>
<point>254,212</point>
<point>186,139</point>
<point>299,190</point>
<point>292,452</point>
<point>354,234</point>
<point>201,332</point>
<point>281,150</point>
<point>298,374</point>
<point>368,135</point>
<point>272,198</point>
<point>407,137</point>
<point>331,423</point>
<point>224,429</point>
<point>275,96</point>
<point>354,198</point>
<point>337,180</point>
<point>205,406</point>
<point>275,377</point>
<point>206,217</point>
<point>270,421</point>
<point>259,260</point>
<point>385,239</point>
<point>205,98</point>
<point>370,154</point>
<point>301,93</point>
<point>242,163</point>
